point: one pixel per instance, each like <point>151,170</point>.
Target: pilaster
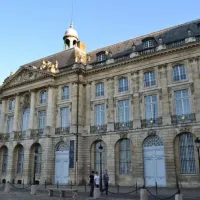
<point>49,117</point>
<point>16,114</point>
<point>110,111</point>
<point>164,96</point>
<point>87,107</point>
<point>2,117</point>
<point>136,101</point>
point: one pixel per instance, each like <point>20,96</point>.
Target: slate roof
<point>66,58</point>
<point>168,35</point>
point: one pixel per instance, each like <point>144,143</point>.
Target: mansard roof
<point>67,58</point>
<point>168,36</point>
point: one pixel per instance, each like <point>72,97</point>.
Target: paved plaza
<point>42,194</point>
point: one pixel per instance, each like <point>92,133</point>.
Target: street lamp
<point>35,160</point>
<point>100,151</point>
<point>197,142</point>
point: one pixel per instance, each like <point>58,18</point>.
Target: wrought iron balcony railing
<point>17,135</point>
<point>120,126</point>
<point>185,118</point>
<point>4,136</point>
<point>148,123</point>
<point>62,131</point>
<point>37,132</point>
<point>98,129</point>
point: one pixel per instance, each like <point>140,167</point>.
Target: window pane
<point>151,107</point>
<point>123,84</point>
<point>99,89</point>
<point>179,73</point>
<point>65,93</point>
<point>124,115</point>
<point>64,113</point>
<point>42,120</point>
<point>43,97</point>
<point>25,120</point>
<point>99,115</point>
<point>186,154</point>
<point>125,156</point>
<point>149,79</point>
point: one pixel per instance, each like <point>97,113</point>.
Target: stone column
<point>49,116</point>
<point>164,96</point>
<point>2,117</point>
<point>136,102</point>
<point>111,92</point>
<point>32,110</point>
<point>195,88</point>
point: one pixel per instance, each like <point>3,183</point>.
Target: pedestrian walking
<point>91,179</point>
<point>105,180</point>
<point>96,179</point>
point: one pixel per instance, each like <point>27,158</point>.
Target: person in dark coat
<point>105,180</point>
<point>91,180</point>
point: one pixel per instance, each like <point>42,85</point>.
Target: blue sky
<point>30,30</point>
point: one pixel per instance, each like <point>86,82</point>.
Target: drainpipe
<point>77,130</point>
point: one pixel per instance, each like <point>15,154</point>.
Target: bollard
<point>96,193</point>
<point>33,189</point>
<point>7,188</point>
<point>178,197</point>
<point>143,194</point>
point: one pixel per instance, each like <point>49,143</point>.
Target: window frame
<point>188,155</point>
<point>20,161</point>
<point>124,114</point>
<point>11,105</point>
<point>127,151</point>
<point>148,44</point>
<point>101,57</point>
<point>101,88</point>
<point>125,84</point>
<point>150,79</point>
<point>43,100</point>
<point>66,117</point>
<point>42,118</point>
<point>152,107</point>
<point>177,76</point>
<point>5,160</point>
<point>10,124</point>
<point>65,96</point>
<point>101,114</point>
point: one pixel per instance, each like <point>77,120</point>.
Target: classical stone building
<point>139,99</point>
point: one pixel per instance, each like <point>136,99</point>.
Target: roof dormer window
<point>148,44</point>
<point>101,56</point>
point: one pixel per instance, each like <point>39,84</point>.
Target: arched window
<point>20,161</point>
<point>123,84</point>
<point>97,156</point>
<point>25,120</point>
<point>5,160</point>
<point>186,154</point>
<point>38,159</point>
<point>124,156</point>
<point>62,146</point>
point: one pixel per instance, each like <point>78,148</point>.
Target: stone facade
<point>26,85</point>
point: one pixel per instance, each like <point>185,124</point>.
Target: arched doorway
<point>62,163</point>
<point>154,162</point>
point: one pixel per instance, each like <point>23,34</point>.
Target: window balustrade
<point>123,126</point>
<point>148,123</point>
<point>185,118</point>
<point>98,129</point>
<point>62,130</point>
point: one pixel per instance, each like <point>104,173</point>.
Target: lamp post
<point>35,159</point>
<point>100,151</point>
<point>197,142</point>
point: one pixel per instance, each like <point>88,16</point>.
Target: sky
<point>33,29</point>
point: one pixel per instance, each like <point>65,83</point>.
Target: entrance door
<point>61,167</point>
<point>154,162</point>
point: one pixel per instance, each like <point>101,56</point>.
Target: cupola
<point>71,37</point>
